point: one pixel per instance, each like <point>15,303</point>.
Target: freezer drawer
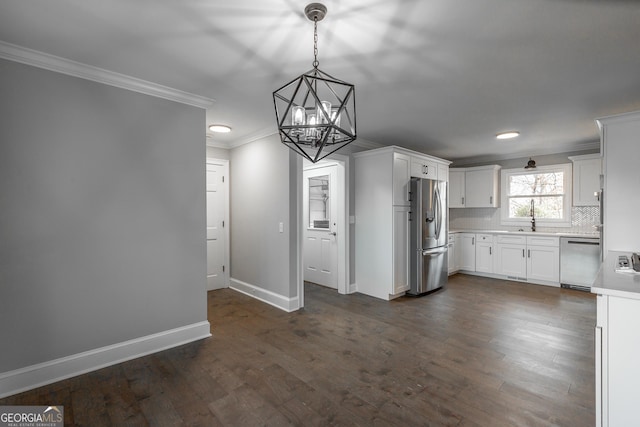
<point>579,261</point>
<point>432,270</point>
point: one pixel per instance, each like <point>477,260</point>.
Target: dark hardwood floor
<point>481,352</point>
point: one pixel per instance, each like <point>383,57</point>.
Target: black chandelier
<point>316,112</point>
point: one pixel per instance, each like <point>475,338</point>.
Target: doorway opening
<point>325,227</point>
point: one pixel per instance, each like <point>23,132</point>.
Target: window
<point>546,190</point>
<point>319,208</point>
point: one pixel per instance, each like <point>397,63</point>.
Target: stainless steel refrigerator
<point>428,236</point>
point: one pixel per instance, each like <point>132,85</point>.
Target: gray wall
<point>261,198</point>
<point>102,215</point>
<point>217,153</point>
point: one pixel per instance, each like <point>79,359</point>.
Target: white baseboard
<point>34,376</point>
<point>276,300</point>
<point>353,288</point>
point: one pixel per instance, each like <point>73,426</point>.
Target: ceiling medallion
<point>316,112</point>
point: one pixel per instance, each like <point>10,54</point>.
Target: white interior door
<point>320,216</point>
<point>217,270</point>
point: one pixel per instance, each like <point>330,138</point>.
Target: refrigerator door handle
<point>438,212</point>
<point>435,251</point>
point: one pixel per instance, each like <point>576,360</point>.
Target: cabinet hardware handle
<point>490,200</point>
<point>473,241</point>
<point>463,200</point>
<point>529,253</point>
<point>523,253</point>
<point>489,250</point>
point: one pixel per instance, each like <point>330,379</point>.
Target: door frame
<point>227,226</point>
<point>343,225</point>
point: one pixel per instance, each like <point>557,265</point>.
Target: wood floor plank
<point>479,352</point>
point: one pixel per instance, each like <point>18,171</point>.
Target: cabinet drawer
<point>510,239</point>
<point>543,241</point>
<point>486,238</point>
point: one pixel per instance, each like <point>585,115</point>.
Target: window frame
<point>567,181</point>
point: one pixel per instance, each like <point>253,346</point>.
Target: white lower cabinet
<point>617,368</point>
<point>511,261</point>
<point>511,252</point>
<point>484,253</point>
<point>466,248</point>
<point>543,263</point>
<point>452,257</point>
<point>400,249</point>
<point>532,258</point>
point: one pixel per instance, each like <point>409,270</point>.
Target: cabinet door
<point>401,177</point>
<point>400,249</point>
<point>458,255</point>
<point>484,253</point>
<point>456,188</point>
<point>422,168</point>
<point>451,258</point>
<point>543,263</point>
<point>586,182</point>
<point>481,188</point>
<point>467,250</point>
<point>621,370</point>
<point>511,260</point>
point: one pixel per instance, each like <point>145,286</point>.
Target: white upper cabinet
<point>423,168</point>
<point>401,177</point>
<point>456,188</point>
<point>586,179</point>
<point>478,189</point>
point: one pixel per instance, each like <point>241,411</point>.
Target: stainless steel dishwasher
<point>579,261</point>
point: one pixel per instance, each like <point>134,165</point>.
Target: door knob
<point>333,233</point>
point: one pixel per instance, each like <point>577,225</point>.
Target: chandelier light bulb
<point>323,112</point>
<point>297,116</point>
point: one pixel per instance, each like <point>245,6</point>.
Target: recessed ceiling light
<point>219,128</point>
<point>508,135</point>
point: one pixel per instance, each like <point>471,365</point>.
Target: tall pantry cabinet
<point>383,216</point>
<point>617,348</point>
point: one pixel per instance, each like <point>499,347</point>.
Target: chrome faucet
<point>533,215</point>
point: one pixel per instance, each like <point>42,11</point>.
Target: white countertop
<point>531,233</point>
<point>608,282</point>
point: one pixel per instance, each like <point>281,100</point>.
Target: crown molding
<point>57,64</point>
<point>560,149</point>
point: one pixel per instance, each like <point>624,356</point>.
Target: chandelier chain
<point>315,42</point>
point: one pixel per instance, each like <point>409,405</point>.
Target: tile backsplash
<point>583,218</point>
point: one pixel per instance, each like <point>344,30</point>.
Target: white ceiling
<point>439,76</point>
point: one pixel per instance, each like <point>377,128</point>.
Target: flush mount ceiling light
<point>219,128</point>
<point>316,112</point>
<point>508,135</point>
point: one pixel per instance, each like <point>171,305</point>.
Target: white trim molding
<point>57,64</point>
<point>271,298</point>
<point>30,377</point>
